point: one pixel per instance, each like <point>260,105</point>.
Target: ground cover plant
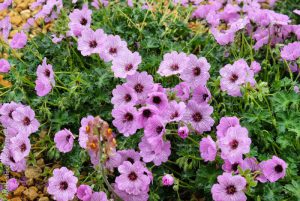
<point>151,100</point>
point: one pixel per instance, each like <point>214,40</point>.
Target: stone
<point>33,172</point>
<point>31,193</point>
<point>40,162</point>
<point>16,20</point>
<point>16,199</point>
<point>19,191</point>
<point>25,14</point>
<point>43,199</point>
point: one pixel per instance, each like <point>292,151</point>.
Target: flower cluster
<point>45,79</point>
<point>19,122</point>
<point>85,193</point>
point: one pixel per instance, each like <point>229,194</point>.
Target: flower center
<point>130,160</point>
<point>197,117</point>
<point>68,138</point>
<point>12,159</point>
<point>93,44</point>
<point>132,176</point>
<point>87,129</point>
<point>159,129</point>
<point>10,114</point>
<point>127,98</point>
<point>113,50</point>
<point>26,121</point>
<point>278,168</point>
<point>174,67</point>
<point>47,73</point>
<point>139,88</point>
<point>230,189</point>
<point>128,67</point>
<point>205,96</point>
<point>23,147</point>
<point>156,100</point>
<point>83,21</point>
<point>234,78</point>
<point>197,71</point>
<point>174,115</point>
<point>234,166</point>
<point>234,144</point>
<point>128,117</point>
<point>63,185</point>
<point>147,113</point>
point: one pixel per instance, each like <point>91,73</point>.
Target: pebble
<point>19,191</point>
<point>31,193</point>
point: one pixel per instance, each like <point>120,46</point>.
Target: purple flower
<point>113,48</point>
<point>126,64</point>
<point>274,169</point>
<point>167,180</point>
<point>7,159</point>
<point>296,89</point>
<point>255,67</point>
<point>182,91</point>
<point>130,197</point>
<point>232,167</point>
<point>12,184</point>
<point>183,132</point>
<point>84,131</point>
<point>296,12</point>
<point>57,39</point>
<point>99,196</point>
<point>5,4</point>
<point>126,120</point>
<point>6,111</point>
<point>46,71</point>
<point>199,116</point>
<point>235,143</point>
<point>4,66</point>
<point>225,124</point>
<point>174,112</point>
<point>80,20</point>
<point>196,73</point>
<point>18,41</point>
<point>62,185</point>
<point>208,149</point>
<point>64,140</point>
<point>155,149</point>
<point>229,188</point>
<point>91,41</point>
<point>84,192</point>
<point>154,127</point>
<point>145,113</point>
<point>42,86</point>
<point>158,99</point>
<point>20,147</point>
<point>173,63</point>
<point>201,94</point>
<point>5,27</point>
<point>223,37</point>
<point>132,178</point>
<point>141,83</point>
<point>129,155</point>
<point>114,160</point>
<point>123,96</point>
<point>25,120</point>
<point>291,51</point>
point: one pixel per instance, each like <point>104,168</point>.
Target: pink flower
<point>296,12</point>
<point>274,169</point>
<point>12,184</point>
<point>45,71</point>
<point>232,167</point>
<point>255,67</point>
<point>182,91</point>
<point>64,140</point>
<point>4,66</point>
<point>126,64</point>
<point>223,37</point>
<point>7,159</point>
<point>199,116</point>
<point>130,197</point>
<point>201,94</point>
<point>113,48</point>
<point>113,161</point>
<point>84,192</point>
<point>208,149</point>
<point>132,178</point>
<point>291,51</point>
<point>5,27</point>
<point>167,180</point>
<point>91,42</point>
<point>173,63</point>
<point>158,99</point>
<point>146,112</point>
<point>42,86</point>
<point>174,112</point>
<point>62,185</point>
<point>25,120</point>
<point>84,130</point>
<point>99,196</point>
<point>18,41</point>
<point>6,111</point>
<point>129,155</point>
<point>296,89</point>
<point>80,20</point>
<point>20,147</point>
<point>154,127</point>
<point>235,143</point>
<point>225,124</point>
<point>183,132</point>
<point>123,96</point>
<point>229,188</point>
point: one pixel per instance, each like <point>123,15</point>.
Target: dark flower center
<point>234,166</point>
<point>174,67</point>
<point>234,78</point>
<point>130,160</point>
<point>147,113</point>
<point>205,96</point>
<point>230,189</point>
<point>197,117</point>
<point>139,88</point>
<point>23,147</point>
<point>47,73</point>
<point>127,97</point>
<point>132,176</point>
<point>93,44</point>
<point>197,71</point>
<point>278,168</point>
<point>159,129</point>
<point>234,144</point>
<point>63,185</point>
<point>128,67</point>
<point>174,115</point>
<point>68,138</point>
<point>128,117</point>
<point>113,50</point>
<point>156,100</point>
<point>12,159</point>
<point>10,114</point>
<point>83,21</point>
<point>26,121</point>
